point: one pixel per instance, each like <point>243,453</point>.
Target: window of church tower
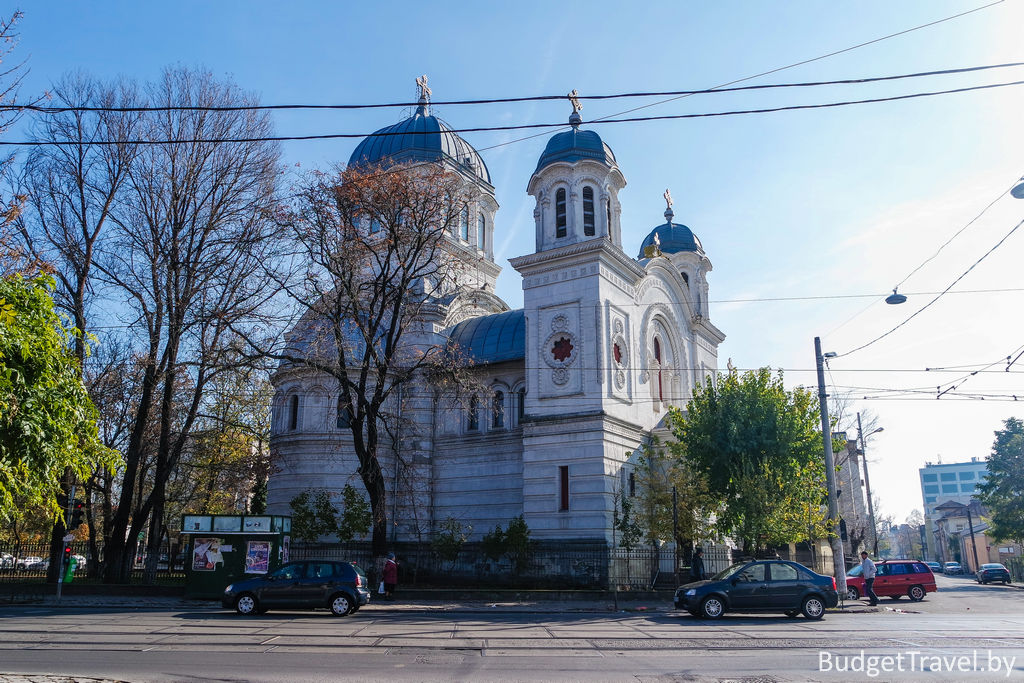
<point>481,233</point>
<point>617,353</point>
<point>657,357</point>
<point>498,410</point>
<point>293,413</point>
<point>560,213</point>
<point>608,214</point>
<point>686,278</point>
<point>521,405</point>
<point>374,226</point>
<point>473,423</point>
<point>464,224</point>
<point>588,211</point>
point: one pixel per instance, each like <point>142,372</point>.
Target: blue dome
<point>674,238</point>
<point>421,137</point>
<point>491,338</point>
<point>574,145</point>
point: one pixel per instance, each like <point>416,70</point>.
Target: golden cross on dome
<point>668,199</point>
<point>574,98</point>
<point>424,90</point>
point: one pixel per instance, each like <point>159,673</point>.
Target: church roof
<point>421,137</point>
<point>491,338</point>
<point>575,145</point>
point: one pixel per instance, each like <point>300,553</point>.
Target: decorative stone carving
<point>559,322</point>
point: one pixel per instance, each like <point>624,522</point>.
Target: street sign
<point>69,538</point>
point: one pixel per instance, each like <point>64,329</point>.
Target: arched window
<point>521,405</point>
<point>498,410</point>
<point>464,224</point>
<point>473,423</point>
<point>560,213</point>
<point>657,357</point>
<point>588,211</point>
<point>344,414</point>
<point>481,233</point>
<point>608,214</point>
<point>293,412</point>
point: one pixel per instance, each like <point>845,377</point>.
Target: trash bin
<point>69,572</point>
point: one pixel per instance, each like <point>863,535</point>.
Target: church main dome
<point>421,137</point>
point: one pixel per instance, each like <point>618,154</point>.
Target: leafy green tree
<point>354,518</point>
<point>751,439</point>
<point>47,422</point>
<point>313,515</point>
<point>449,540</point>
<point>1003,490</point>
<point>514,543</point>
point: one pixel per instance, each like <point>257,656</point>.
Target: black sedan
<point>760,586</point>
<point>993,572</point>
<point>339,586</point>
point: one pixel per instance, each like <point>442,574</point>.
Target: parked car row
<point>34,563</point>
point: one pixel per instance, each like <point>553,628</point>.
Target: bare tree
<point>377,261</point>
<point>12,258</point>
<point>72,184</point>
<point>192,232</point>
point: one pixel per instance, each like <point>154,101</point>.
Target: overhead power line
<point>528,126</point>
<point>937,297</point>
<point>38,108</point>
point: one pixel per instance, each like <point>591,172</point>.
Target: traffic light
<point>67,555</point>
<point>77,512</point>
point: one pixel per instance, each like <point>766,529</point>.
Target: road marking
<point>268,640</point>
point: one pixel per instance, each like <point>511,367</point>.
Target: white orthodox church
<point>605,343</point>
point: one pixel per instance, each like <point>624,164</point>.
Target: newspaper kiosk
<point>220,549</point>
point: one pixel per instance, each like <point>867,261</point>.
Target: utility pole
<point>867,486</point>
<point>838,555</point>
<point>970,529</point>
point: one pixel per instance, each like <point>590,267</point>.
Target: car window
<point>290,571</point>
<point>752,574</point>
<point>898,568</point>
<point>855,571</point>
<point>882,570</point>
<point>729,571</point>
<point>320,570</point>
<point>921,568</point>
<point>784,572</point>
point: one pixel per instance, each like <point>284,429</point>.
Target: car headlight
<point>690,593</point>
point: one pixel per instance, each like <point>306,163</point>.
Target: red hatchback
<point>894,579</point>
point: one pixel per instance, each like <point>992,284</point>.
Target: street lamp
<point>867,482</point>
<point>838,556</point>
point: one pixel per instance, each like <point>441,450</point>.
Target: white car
<point>6,561</point>
<point>952,568</point>
<point>29,562</point>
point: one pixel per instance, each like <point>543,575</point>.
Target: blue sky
<point>824,203</point>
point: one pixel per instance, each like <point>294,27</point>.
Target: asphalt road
<point>983,625</point>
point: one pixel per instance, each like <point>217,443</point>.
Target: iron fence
<point>31,561</point>
<point>1016,567</point>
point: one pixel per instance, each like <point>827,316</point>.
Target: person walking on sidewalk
<point>868,572</point>
<point>697,565</point>
<point>390,576</point>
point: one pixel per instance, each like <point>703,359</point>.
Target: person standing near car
<point>868,572</point>
<point>697,565</point>
<point>390,576</point>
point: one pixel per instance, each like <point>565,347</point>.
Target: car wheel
<point>340,605</point>
<point>813,607</point>
<point>792,613</point>
<point>712,607</point>
<point>851,594</point>
<point>916,593</point>
<point>246,604</point>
